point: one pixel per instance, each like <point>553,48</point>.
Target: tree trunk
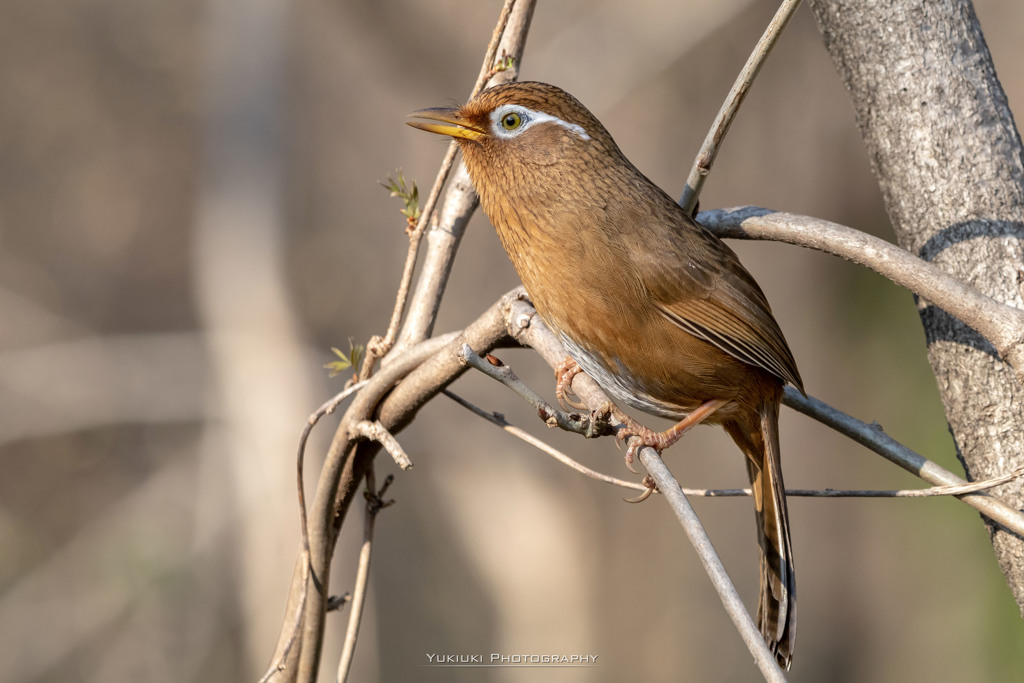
<point>948,158</point>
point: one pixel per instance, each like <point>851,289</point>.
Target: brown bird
<point>655,308</point>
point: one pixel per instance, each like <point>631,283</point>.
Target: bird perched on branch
<point>646,301</point>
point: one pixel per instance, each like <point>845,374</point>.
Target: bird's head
<point>519,125</point>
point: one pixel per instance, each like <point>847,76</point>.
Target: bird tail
<point>776,613</point>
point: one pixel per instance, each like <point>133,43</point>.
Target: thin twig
<point>434,366</point>
<point>709,150</point>
<point>684,512</point>
<point>460,202</point>
<point>487,68</point>
<point>933,491</point>
<point>375,431</point>
<point>374,504</point>
<point>1001,325</point>
<point>950,490</point>
<point>293,628</point>
<point>379,347</point>
<point>499,420</point>
<point>587,425</point>
<point>326,409</point>
<point>874,437</point>
<point>320,538</point>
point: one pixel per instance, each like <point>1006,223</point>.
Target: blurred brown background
<point>190,219</point>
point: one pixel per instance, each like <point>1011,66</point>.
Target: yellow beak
<point>445,122</point>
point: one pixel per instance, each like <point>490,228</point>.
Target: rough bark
<point>948,158</point>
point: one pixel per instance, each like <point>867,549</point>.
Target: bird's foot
<point>564,375</point>
<point>636,436</point>
<point>640,436</point>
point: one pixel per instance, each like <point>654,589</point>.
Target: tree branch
<point>446,232</point>
<point>378,347</point>
<point>587,425</point>
<point>1001,325</point>
<point>731,600</point>
<point>375,431</point>
<point>285,660</point>
<point>421,319</point>
<point>875,438</point>
<point>435,366</point>
<point>374,504</point>
<point>499,420</point>
<point>709,149</point>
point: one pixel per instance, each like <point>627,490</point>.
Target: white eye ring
<point>526,118</point>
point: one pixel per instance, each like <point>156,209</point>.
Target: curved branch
<point>285,659</point>
<point>434,367</point>
<point>1001,325</point>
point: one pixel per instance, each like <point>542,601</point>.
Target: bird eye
<point>511,121</point>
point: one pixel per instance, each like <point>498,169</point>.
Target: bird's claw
<point>631,455</point>
<point>569,404</point>
<point>651,487</point>
<point>564,375</point>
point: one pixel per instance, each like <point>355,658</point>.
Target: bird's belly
<point>624,386</point>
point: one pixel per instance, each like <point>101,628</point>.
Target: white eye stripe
<point>529,118</point>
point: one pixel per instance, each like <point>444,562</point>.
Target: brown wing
<point>705,290</point>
